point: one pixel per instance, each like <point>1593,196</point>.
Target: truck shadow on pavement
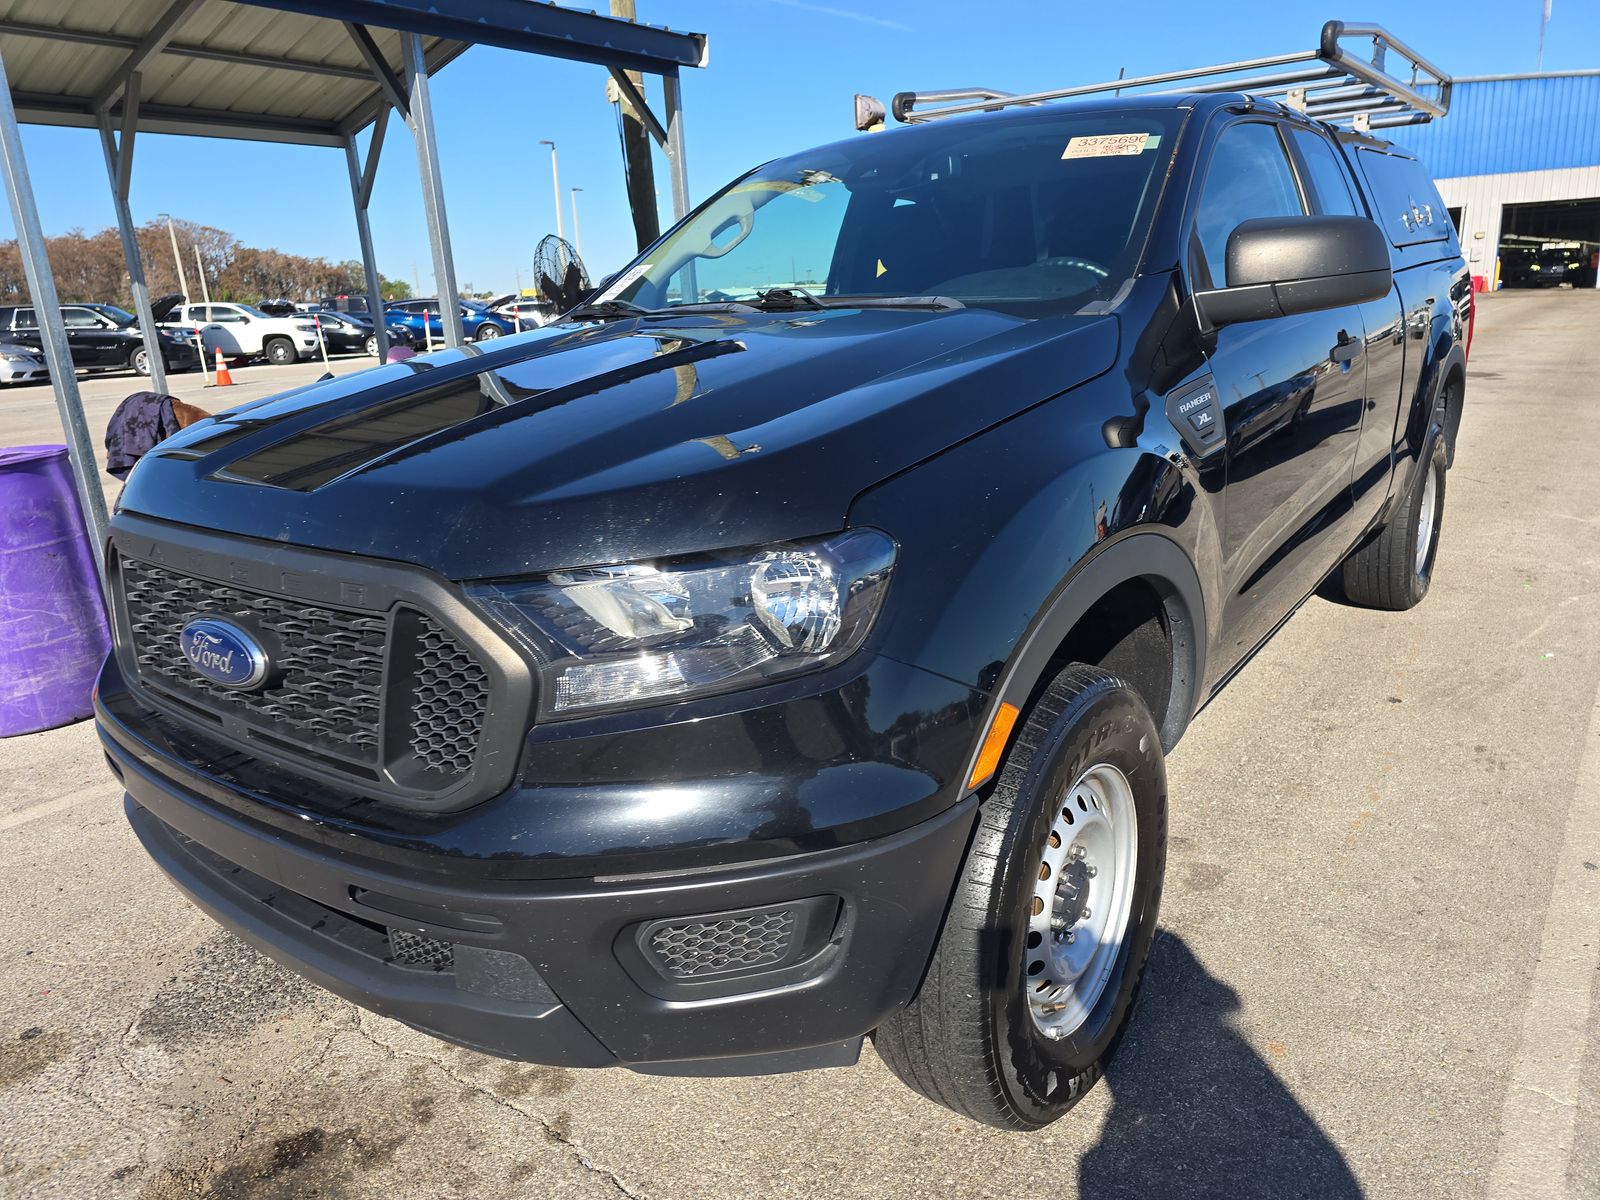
<point>1195,1111</point>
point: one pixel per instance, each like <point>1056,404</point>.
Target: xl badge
<point>225,654</point>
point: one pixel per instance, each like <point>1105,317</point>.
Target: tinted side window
<point>1408,205</point>
<point>25,319</point>
<point>1249,177</point>
<point>80,318</point>
<point>1328,177</point>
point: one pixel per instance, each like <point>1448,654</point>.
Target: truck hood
<point>593,443</point>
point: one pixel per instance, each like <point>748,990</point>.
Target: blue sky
<point>780,78</point>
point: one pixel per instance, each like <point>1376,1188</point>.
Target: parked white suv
<point>242,331</point>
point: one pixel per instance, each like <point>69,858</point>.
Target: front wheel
<point>486,331</point>
<point>371,346</point>
<point>139,360</point>
<point>1035,973</point>
<point>281,351</point>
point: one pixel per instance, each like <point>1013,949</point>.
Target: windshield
<point>112,312</point>
<point>1027,212</point>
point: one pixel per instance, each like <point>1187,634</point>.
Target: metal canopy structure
<point>306,72</point>
<point>1329,82</point>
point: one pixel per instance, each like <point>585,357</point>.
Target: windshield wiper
<point>787,297</point>
<point>608,310</point>
<point>934,302</point>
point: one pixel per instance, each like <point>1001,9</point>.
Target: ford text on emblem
<point>220,651</point>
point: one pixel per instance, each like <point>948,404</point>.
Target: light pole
<point>177,258</point>
<point>577,234</point>
<point>555,180</point>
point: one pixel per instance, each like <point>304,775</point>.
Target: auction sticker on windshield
<point>1104,145</point>
<point>623,280</point>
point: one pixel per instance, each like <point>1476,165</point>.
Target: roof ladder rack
<point>1343,86</point>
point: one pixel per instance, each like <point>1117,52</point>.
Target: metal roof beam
<point>140,57</point>
<point>518,25</point>
<point>37,109</point>
<point>393,89</point>
<point>237,58</point>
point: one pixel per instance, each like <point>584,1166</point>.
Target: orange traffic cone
<point>224,378</point>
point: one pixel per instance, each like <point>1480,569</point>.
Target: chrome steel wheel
<point>1425,518</point>
<point>1078,916</point>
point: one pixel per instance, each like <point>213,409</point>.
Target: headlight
<point>15,356</point>
<point>648,633</point>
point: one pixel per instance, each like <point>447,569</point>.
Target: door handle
<point>1347,349</point>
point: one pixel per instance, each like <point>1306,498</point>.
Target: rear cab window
<point>1326,174</point>
<point>1408,204</point>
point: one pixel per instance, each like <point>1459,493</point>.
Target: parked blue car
<point>422,316</point>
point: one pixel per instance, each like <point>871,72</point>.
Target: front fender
<point>1009,538</point>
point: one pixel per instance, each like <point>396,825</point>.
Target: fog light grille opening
<point>706,947</point>
<point>420,951</point>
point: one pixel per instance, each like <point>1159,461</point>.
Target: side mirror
<point>1278,266</point>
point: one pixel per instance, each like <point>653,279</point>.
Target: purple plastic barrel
<point>53,634</point>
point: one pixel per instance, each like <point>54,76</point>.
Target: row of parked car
<point>103,337</point>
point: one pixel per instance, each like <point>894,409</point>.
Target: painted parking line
<point>1540,1109</point>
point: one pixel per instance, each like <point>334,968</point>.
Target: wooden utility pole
<point>637,165</point>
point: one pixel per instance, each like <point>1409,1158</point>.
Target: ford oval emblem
<point>225,654</point>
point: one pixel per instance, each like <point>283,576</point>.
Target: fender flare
<point>1146,555</point>
<point>1420,418</point>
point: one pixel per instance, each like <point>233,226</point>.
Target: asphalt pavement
<point>1376,973</point>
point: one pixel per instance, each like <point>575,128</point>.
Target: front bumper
<point>22,372</point>
<point>568,972</point>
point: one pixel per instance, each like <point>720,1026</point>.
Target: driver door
<point>1292,390</point>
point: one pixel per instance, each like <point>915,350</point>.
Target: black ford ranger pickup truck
<point>783,647</point>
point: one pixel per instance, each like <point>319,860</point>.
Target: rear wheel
<point>280,351</point>
<point>1035,973</point>
<point>1393,569</point>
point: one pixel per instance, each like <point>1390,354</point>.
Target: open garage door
<point>1550,243</point>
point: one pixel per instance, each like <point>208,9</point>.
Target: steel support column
<point>676,154</point>
<point>361,179</point>
<point>119,170</point>
<point>52,332</point>
<point>672,95</point>
<point>420,114</point>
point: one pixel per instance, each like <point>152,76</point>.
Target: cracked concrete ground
<point>1376,974</point>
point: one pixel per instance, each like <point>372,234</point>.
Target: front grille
<point>393,699</point>
<point>449,702</point>
<point>744,942</point>
<point>328,689</point>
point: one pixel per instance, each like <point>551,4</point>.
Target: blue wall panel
<point>1502,125</point>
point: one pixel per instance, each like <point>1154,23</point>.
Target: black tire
<point>486,332</point>
<point>371,346</point>
<point>968,1040</point>
<point>280,351</point>
<point>139,361</point>
<point>1385,572</point>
